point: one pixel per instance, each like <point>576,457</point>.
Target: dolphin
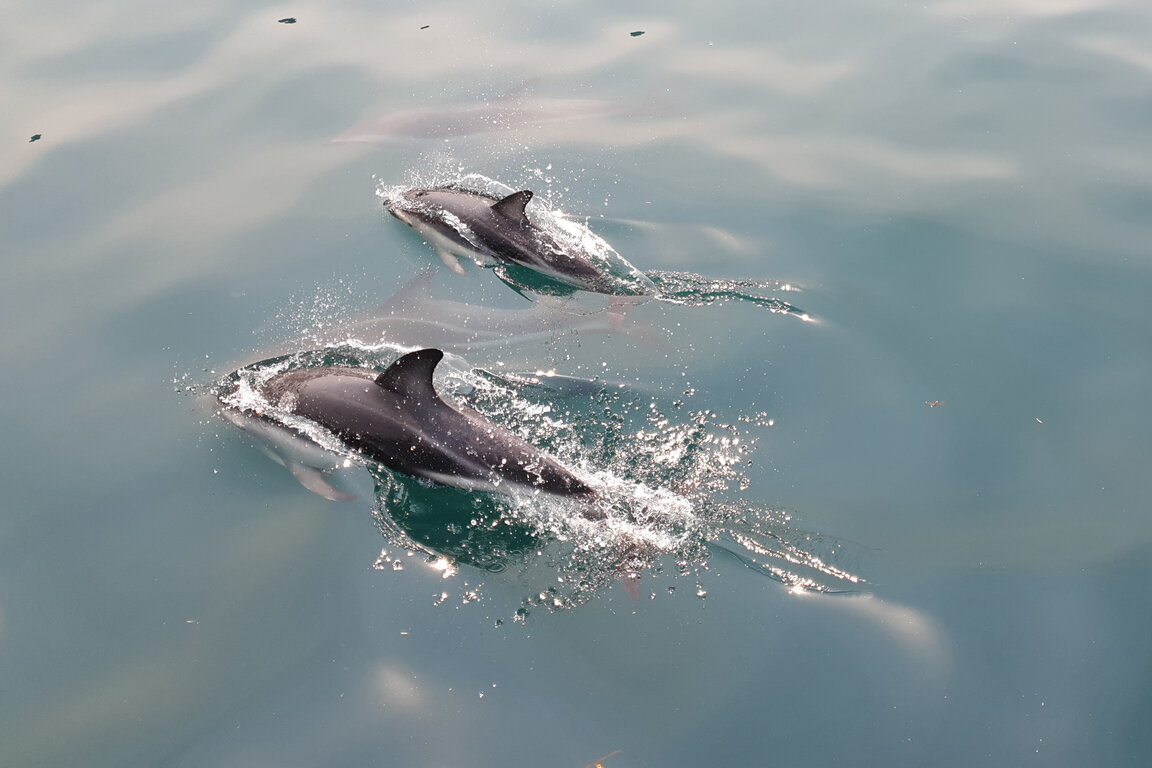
<point>518,109</point>
<point>461,223</point>
<point>397,419</point>
<point>412,317</point>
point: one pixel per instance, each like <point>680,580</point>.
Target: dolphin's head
<point>406,206</point>
<point>414,195</point>
<point>407,217</point>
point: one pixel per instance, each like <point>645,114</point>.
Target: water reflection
<point>762,68</point>
<point>997,10</point>
<point>479,530</point>
<point>756,105</point>
<point>1127,50</point>
<point>399,687</point>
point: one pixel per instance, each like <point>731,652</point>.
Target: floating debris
<point>425,26</point>
<point>637,33</point>
<point>35,137</point>
<point>289,20</point>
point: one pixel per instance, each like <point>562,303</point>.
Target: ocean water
<point>883,435</point>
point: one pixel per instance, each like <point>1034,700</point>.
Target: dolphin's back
<point>500,229</point>
<point>398,420</point>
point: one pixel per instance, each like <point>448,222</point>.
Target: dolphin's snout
<point>403,215</point>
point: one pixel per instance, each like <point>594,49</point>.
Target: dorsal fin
<point>512,207</point>
<point>410,295</point>
<point>411,375</point>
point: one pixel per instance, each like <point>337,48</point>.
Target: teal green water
<point>957,194</point>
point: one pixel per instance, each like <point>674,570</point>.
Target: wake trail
<point>690,289</point>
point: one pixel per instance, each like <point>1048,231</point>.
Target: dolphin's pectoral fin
<point>450,261</point>
<point>411,375</point>
<point>512,207</point>
<point>314,480</point>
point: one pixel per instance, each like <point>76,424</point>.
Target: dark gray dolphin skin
<point>397,419</point>
<point>458,222</point>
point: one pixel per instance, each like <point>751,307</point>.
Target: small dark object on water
<point>35,137</point>
<point>289,20</point>
<point>425,26</point>
<point>637,33</point>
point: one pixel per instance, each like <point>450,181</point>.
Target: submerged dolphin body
<point>461,223</point>
<point>507,113</point>
<point>413,318</point>
<point>310,463</point>
<point>397,419</point>
<point>519,109</point>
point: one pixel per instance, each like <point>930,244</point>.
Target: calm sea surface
<point>955,446</point>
